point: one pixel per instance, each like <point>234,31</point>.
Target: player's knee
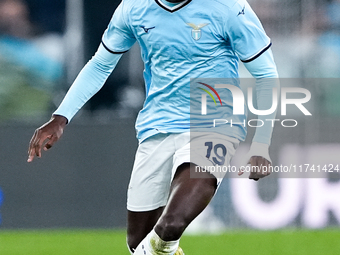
<point>170,227</point>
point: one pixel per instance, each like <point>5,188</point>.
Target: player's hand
<point>259,160</point>
<point>46,136</point>
<point>260,168</point>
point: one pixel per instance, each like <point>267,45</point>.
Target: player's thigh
<point>208,152</point>
<point>151,175</point>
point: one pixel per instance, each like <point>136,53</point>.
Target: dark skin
<point>260,173</point>
<point>188,196</point>
<point>45,136</point>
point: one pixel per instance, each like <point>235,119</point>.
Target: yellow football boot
<point>179,251</point>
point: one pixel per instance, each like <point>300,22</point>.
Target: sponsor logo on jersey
<point>146,29</point>
<point>196,31</point>
<point>241,12</point>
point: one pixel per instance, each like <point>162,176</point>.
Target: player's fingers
<point>31,154</point>
<point>241,171</point>
<point>254,176</point>
<point>265,167</point>
<point>31,147</point>
<point>254,161</point>
<point>31,143</point>
<point>261,168</point>
<point>254,169</point>
<point>268,167</point>
<point>257,168</point>
<point>50,143</point>
<point>243,166</point>
<point>39,141</point>
<point>37,147</point>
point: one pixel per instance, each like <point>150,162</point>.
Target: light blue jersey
<point>178,42</point>
<point>192,39</point>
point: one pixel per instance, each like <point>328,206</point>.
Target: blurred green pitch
<point>104,242</point>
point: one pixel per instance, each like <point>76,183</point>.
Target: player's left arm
<point>263,68</point>
<point>252,45</point>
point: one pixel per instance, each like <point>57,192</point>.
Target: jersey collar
<point>172,8</point>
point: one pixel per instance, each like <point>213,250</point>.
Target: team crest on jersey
<point>196,31</point>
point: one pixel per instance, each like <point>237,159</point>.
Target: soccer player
<point>179,40</point>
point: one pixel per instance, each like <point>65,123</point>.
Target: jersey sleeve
<point>118,37</point>
<point>264,70</point>
<point>245,32</point>
<point>89,81</point>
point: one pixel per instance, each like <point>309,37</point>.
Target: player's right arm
<point>89,81</point>
<point>116,40</point>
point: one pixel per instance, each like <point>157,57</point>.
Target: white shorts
<point>158,157</point>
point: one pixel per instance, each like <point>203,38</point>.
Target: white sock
<point>154,245</point>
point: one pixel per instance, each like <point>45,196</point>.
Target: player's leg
<point>139,225</point>
<point>188,198</point>
<point>149,187</point>
<point>191,191</point>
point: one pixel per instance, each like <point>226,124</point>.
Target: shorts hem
<point>145,208</point>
